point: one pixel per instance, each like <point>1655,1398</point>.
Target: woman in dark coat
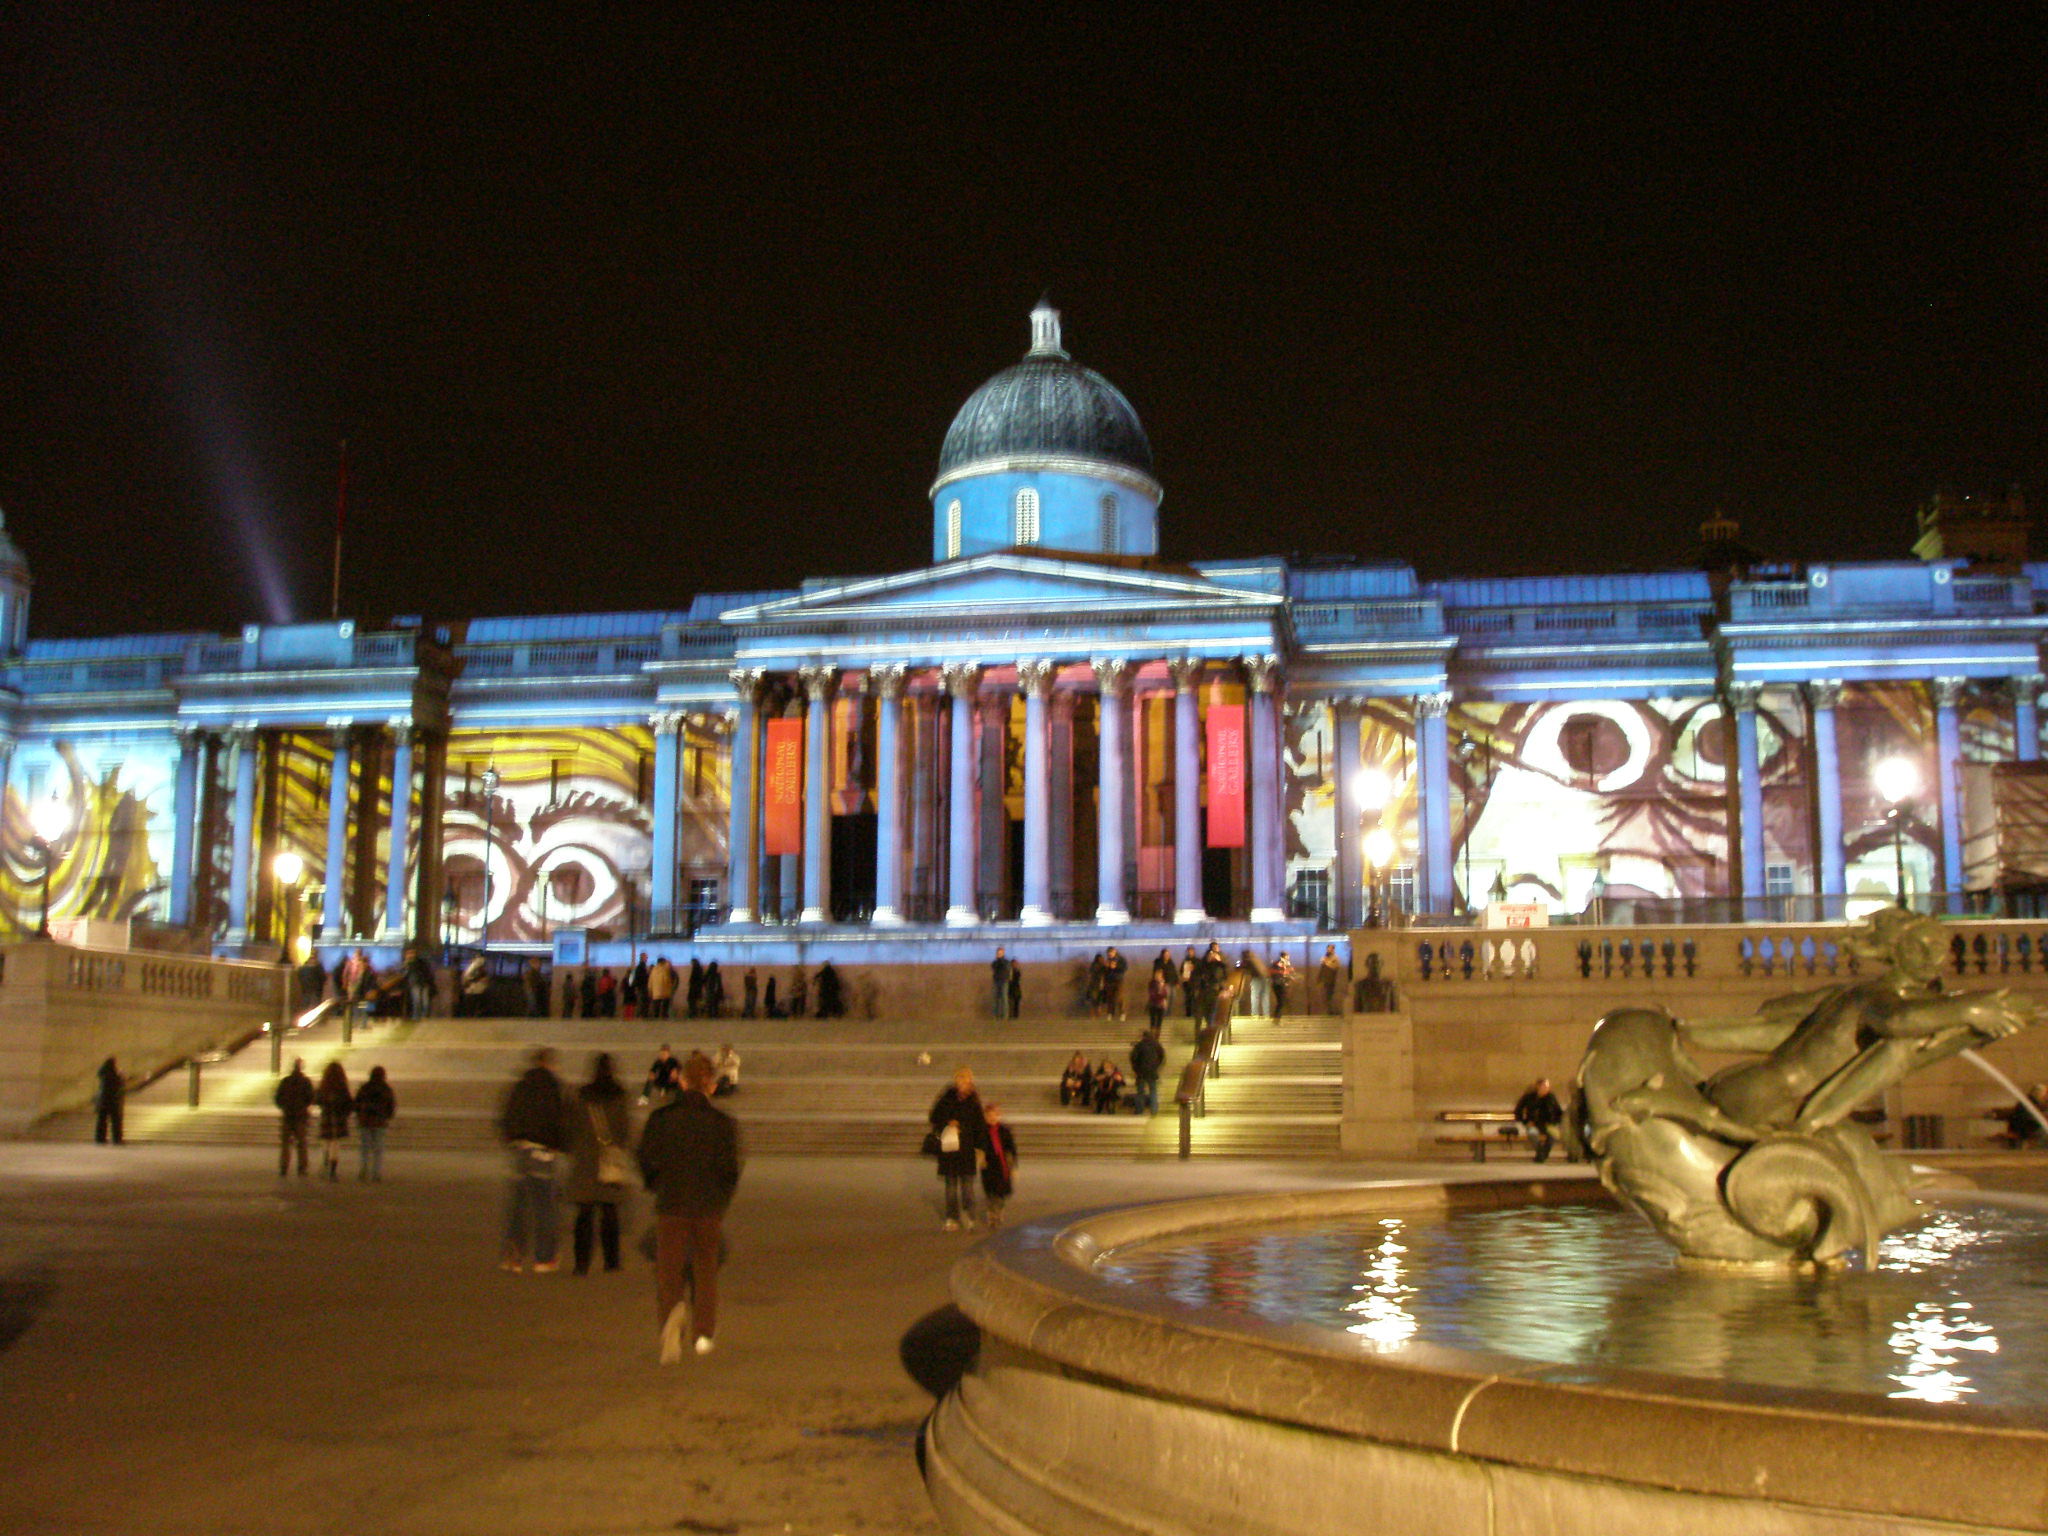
<point>376,1104</point>
<point>600,1119</point>
<point>107,1102</point>
<point>957,1122</point>
<point>336,1103</point>
<point>714,991</point>
<point>1075,1080</point>
<point>588,993</point>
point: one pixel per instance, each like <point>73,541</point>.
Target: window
<point>1110,544</point>
<point>1027,516</point>
<point>953,529</point>
<point>1777,879</point>
<point>1400,888</point>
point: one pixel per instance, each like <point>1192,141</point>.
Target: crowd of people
<point>1196,980</point>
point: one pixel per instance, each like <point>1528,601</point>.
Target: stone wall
<point>63,1011</point>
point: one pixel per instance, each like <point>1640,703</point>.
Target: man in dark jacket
<point>534,1127</point>
<point>690,1158</point>
<point>1540,1114</point>
<point>1147,1057</point>
<point>294,1101</point>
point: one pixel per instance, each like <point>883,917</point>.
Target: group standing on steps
<point>373,1107</point>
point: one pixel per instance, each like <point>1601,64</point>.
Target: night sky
<point>615,307</point>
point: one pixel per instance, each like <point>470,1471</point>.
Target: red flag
<point>1226,775</point>
<point>782,782</point>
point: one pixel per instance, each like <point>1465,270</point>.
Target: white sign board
<point>89,932</point>
<point>1516,914</point>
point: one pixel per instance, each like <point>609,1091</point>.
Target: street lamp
<point>49,820</point>
<point>483,938</point>
<point>290,869</point>
<point>1373,790</point>
<point>1476,757</point>
<point>1898,780</point>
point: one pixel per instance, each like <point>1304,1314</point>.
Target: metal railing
<point>1191,1098</point>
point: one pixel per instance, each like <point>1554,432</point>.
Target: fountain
<point>1449,1358</point>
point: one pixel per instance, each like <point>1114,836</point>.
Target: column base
<point>811,915</point>
<point>961,917</point>
<point>1110,917</point>
<point>739,916</point>
<point>394,936</point>
<point>1268,915</point>
<point>1035,917</point>
<point>886,917</point>
<point>1185,916</point>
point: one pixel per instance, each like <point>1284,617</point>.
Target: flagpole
<point>340,521</point>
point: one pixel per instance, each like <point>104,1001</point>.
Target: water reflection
<point>1958,1310</point>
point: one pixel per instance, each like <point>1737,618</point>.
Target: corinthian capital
<point>665,722</point>
<point>1432,706</point>
<point>1948,691</point>
<point>817,680</point>
<point>1112,675</point>
<point>962,679</point>
<point>1187,672</point>
<point>888,681</point>
<point>746,683</point>
<point>1824,692</point>
<point>1264,671</point>
<point>1742,696</point>
<point>1035,675</point>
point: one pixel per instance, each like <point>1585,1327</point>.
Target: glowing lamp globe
<point>1898,779</point>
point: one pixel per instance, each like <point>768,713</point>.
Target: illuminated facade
<point>1048,729</point>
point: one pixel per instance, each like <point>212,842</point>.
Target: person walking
<point>750,994</point>
<point>714,991</point>
<point>534,1127</point>
<point>419,986</point>
<point>535,981</point>
<point>376,1107</point>
<point>1158,994</point>
<point>599,1135</point>
<point>109,1100</point>
<point>476,986</point>
<point>1114,968</point>
<point>1147,1057</point>
<point>294,1101</point>
<point>998,1165</point>
<point>1329,976</point>
<point>999,984</point>
<point>1281,982</point>
<point>337,1102</point>
<point>959,1132</point>
<point>1540,1114</point>
<point>690,1158</point>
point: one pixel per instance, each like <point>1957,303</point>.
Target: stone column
<point>1350,881</point>
<point>2026,719</point>
<point>1948,757</point>
<point>1035,678</point>
<point>334,909</point>
<point>1112,677</point>
<point>919,726</point>
<point>1060,750</point>
<point>1433,785</point>
<point>993,825</point>
<point>963,682</point>
<point>1269,849</point>
<point>242,834</point>
<point>1742,698</point>
<point>397,924</point>
<point>1187,790</point>
<point>667,725</point>
<point>889,682</point>
<point>185,822</point>
<point>817,682</point>
<point>1821,698</point>
<point>741,838</point>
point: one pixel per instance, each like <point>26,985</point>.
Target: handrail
<point>1192,1097</point>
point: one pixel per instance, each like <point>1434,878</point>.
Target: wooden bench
<point>1489,1130</point>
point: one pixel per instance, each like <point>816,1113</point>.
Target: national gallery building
<point>1047,733</point>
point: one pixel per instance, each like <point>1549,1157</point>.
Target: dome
<point>1047,411</point>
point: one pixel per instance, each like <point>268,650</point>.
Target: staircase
<point>808,1087</point>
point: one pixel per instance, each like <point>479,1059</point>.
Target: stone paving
<point>189,1344</point>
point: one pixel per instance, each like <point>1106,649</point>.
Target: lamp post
<point>483,922</point>
<point>48,820</point>
<point>1898,779</point>
<point>1373,789</point>
<point>1476,758</point>
<point>290,869</point>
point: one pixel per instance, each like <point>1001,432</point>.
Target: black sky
<point>615,306</point>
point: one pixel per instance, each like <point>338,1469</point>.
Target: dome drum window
<point>1109,528</point>
<point>1027,531</point>
<point>953,529</point>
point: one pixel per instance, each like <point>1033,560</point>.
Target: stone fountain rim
<point>1033,1289</point>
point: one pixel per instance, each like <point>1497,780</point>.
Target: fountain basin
<point>1097,1406</point>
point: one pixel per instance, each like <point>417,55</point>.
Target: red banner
<point>782,787</point>
<point>1226,775</point>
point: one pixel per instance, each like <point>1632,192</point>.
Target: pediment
<point>1009,582</point>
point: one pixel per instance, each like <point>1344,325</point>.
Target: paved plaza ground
<point>189,1344</point>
